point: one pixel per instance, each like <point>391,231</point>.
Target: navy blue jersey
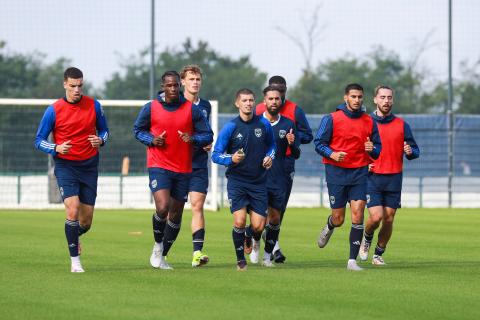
<point>200,156</point>
<point>256,139</point>
<point>276,174</point>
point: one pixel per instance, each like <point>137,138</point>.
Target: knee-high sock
<point>71,233</point>
<point>198,237</point>
<point>238,236</point>
<point>271,236</point>
<point>158,227</point>
<point>171,233</point>
<point>356,233</point>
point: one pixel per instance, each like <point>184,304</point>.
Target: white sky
<point>93,33</point>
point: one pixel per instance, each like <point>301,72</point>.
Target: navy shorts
<point>339,195</point>
<point>176,182</point>
<point>378,197</point>
<point>78,178</point>
<point>199,180</point>
<point>247,195</point>
<point>276,198</point>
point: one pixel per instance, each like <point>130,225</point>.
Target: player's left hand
<point>267,162</point>
<point>407,148</point>
<point>368,145</point>
<point>290,137</point>
<point>184,136</point>
<point>95,141</point>
<point>207,147</point>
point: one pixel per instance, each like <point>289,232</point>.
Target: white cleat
<point>156,256</point>
<point>378,260</point>
<point>254,256</point>
<point>164,265</point>
<point>353,266</point>
<point>268,263</point>
<point>364,248</point>
<point>324,236</point>
<point>76,267</point>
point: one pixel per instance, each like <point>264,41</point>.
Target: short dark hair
<point>277,80</point>
<point>353,86</point>
<point>72,73</point>
<point>243,91</point>
<point>381,86</point>
<point>171,73</point>
<point>270,88</point>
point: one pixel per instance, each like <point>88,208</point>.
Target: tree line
<point>318,90</point>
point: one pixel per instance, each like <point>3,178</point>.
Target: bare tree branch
<point>312,33</point>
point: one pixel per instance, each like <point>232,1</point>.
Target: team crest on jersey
<point>368,198</point>
<point>282,133</point>
<point>258,132</point>
<point>239,136</point>
<point>205,113</point>
<point>332,199</point>
<point>61,191</point>
<point>154,183</point>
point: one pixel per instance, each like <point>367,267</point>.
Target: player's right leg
<point>238,199</point>
<point>160,185</point>
<point>338,200</point>
<point>278,255</point>
<point>238,237</point>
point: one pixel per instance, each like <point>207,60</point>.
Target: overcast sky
<point>95,33</point>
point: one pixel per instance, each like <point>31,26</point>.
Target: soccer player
<point>247,147</point>
<point>284,133</point>
<point>169,126</point>
<point>78,128</point>
<point>384,183</point>
<point>346,139</point>
<point>293,112</point>
<point>191,77</point>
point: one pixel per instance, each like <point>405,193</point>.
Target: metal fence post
<point>121,189</point>
<point>420,191</point>
<point>19,189</point>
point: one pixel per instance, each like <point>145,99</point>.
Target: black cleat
<point>278,257</point>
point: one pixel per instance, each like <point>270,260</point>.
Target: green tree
<point>27,76</point>
<point>321,91</point>
<point>223,76</point>
<point>468,90</point>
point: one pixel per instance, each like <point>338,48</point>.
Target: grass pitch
<point>433,270</point>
